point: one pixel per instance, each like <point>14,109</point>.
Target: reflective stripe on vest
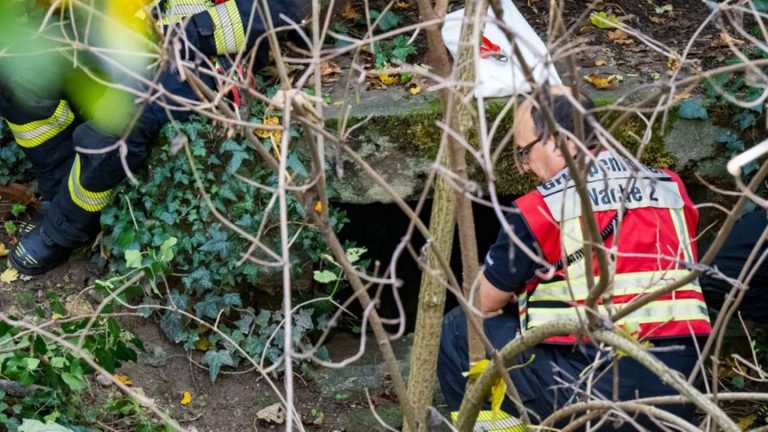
<point>486,422</point>
<point>228,28</point>
<point>37,133</point>
<point>82,197</point>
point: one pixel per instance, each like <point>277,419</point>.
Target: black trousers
<point>556,374</point>
<point>78,184</point>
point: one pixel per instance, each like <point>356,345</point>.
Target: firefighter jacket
<point>655,221</point>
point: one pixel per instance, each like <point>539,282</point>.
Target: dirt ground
<point>232,402</point>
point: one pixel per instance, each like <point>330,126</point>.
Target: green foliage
<point>742,122</point>
<point>692,109</point>
<point>32,359</point>
<point>390,20</point>
<point>396,51</point>
<point>164,227</point>
<point>13,165</point>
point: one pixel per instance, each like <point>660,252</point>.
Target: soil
<point>232,402</point>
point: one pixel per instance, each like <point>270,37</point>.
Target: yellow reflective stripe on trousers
<point>36,133</point>
<point>623,284</point>
<point>486,423</point>
<point>176,10</point>
<point>82,197</point>
<point>658,311</point>
<point>228,28</point>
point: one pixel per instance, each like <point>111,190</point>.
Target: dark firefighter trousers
<point>79,184</point>
<point>548,381</point>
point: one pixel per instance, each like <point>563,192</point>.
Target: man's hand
<point>492,298</point>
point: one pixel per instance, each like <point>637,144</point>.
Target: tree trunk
<point>426,342</point>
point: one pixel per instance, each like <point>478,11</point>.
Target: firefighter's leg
<point>453,359</point>
<point>42,125</point>
<point>73,218</point>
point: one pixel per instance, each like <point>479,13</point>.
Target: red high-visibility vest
<point>656,232</point>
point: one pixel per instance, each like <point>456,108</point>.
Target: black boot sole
<point>26,270</point>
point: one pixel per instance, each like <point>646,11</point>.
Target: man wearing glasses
<point>650,213</point>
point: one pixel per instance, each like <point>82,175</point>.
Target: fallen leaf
<point>388,79</point>
<point>414,89</point>
<point>682,96</point>
<point>619,37</point>
<point>57,316</point>
<point>725,40</point>
<point>603,82</point>
<point>319,207</point>
<point>9,275</point>
<point>202,344</point>
<point>329,69</point>
<point>664,9</point>
<point>601,62</point>
<point>673,63</point>
<point>275,135</point>
<point>186,398</point>
<point>402,5</point>
<point>656,19</point>
<point>123,379</point>
<point>3,250</point>
<point>272,414</point>
<point>350,13</point>
<point>603,20</point>
<point>747,421</point>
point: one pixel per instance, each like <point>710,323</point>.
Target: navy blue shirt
<point>507,267</point>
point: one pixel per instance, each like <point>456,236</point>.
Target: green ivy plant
<point>13,165</point>
<point>164,227</point>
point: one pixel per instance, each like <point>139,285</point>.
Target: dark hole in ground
<point>381,227</point>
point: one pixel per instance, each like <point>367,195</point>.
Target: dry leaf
<point>350,13</point>
<point>747,421</point>
<point>319,207</point>
<point>682,96</point>
<point>601,62</point>
<point>9,275</point>
<point>673,63</point>
<point>725,40</point>
<point>388,79</point>
<point>414,89</point>
<point>57,316</point>
<point>402,5</point>
<point>3,250</point>
<point>275,134</point>
<point>656,19</point>
<point>272,414</point>
<point>603,82</point>
<point>186,398</point>
<point>202,344</point>
<point>620,37</point>
<point>329,69</point>
<point>123,379</point>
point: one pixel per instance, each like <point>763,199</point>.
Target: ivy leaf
<point>603,20</point>
<point>133,259</point>
<point>691,109</point>
<point>232,299</point>
<point>263,318</point>
<point>295,165</point>
<point>219,242</point>
<point>215,360</point>
<point>208,307</point>
<point>244,324</point>
<point>745,119</point>
<point>29,425</point>
<point>75,382</point>
<point>166,249</point>
<point>325,276</point>
<point>389,20</point>
<point>172,326</point>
